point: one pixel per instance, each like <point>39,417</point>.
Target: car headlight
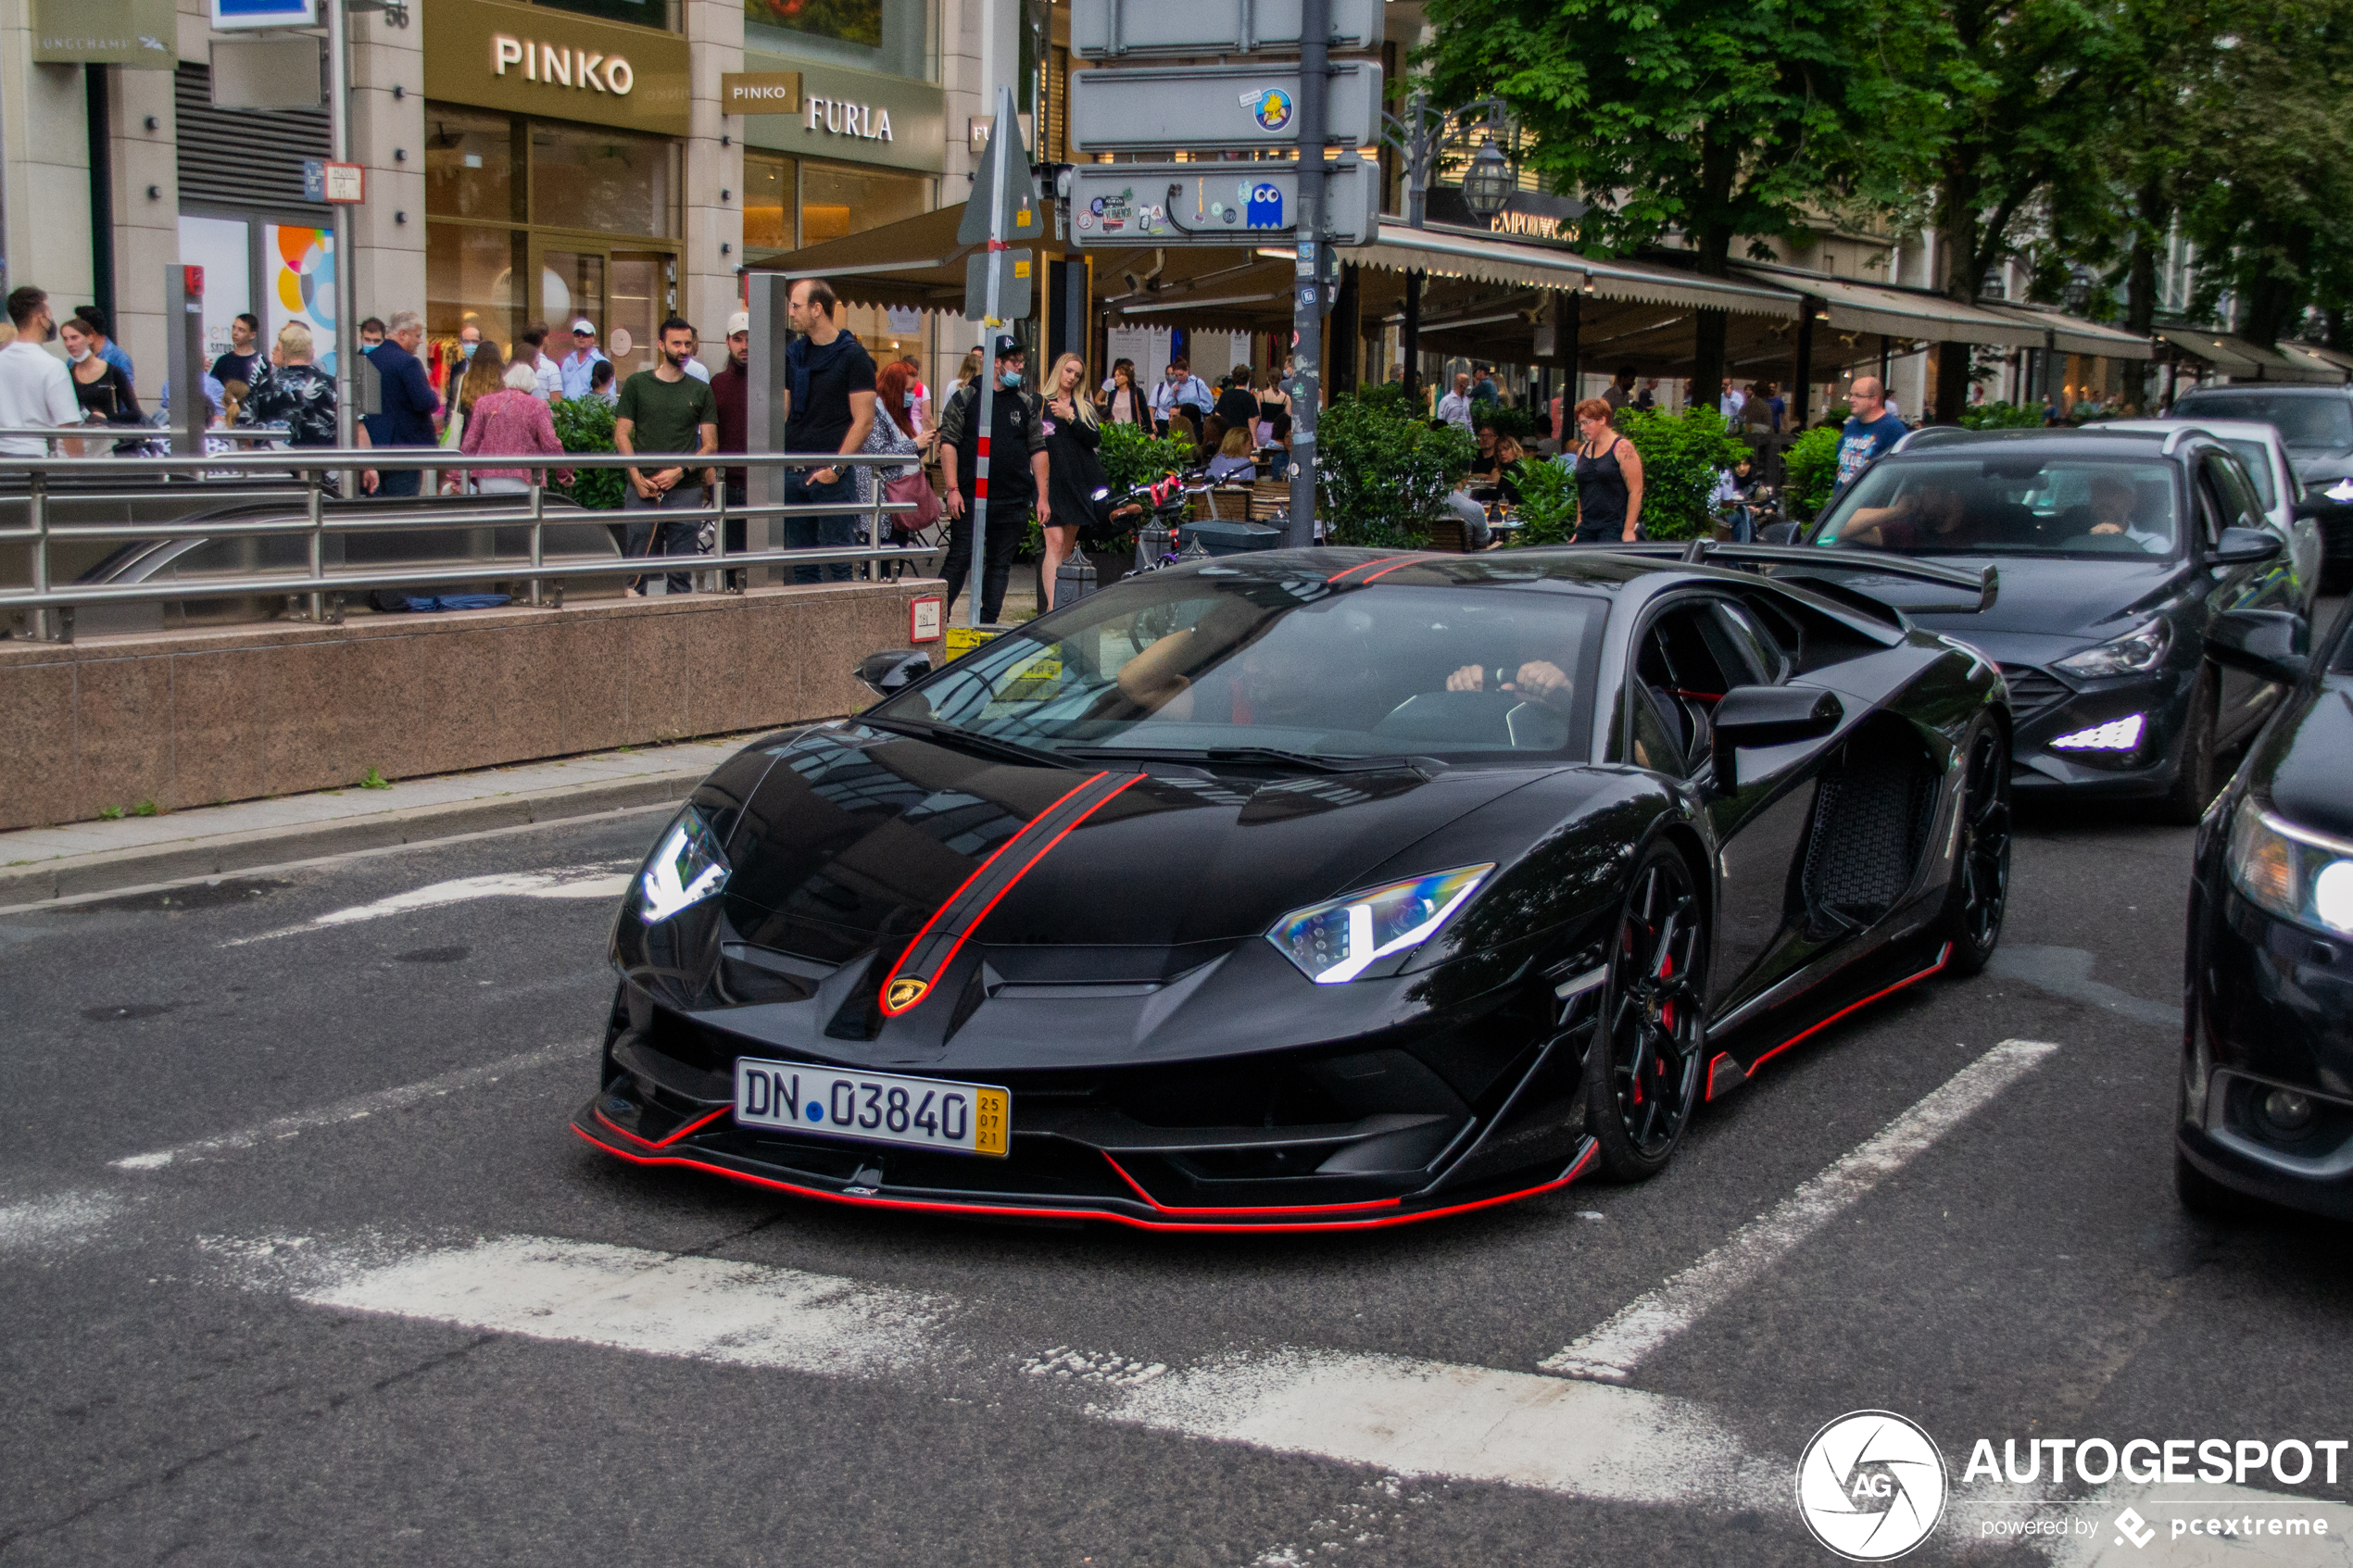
<point>2290,871</point>
<point>686,868</point>
<point>2136,653</point>
<point>1335,942</point>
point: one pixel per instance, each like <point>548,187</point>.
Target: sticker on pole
<point>1271,106</point>
<point>1266,209</point>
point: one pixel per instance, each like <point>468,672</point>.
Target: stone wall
<point>202,717</point>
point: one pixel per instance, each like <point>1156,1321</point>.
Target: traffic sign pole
<point>1001,138</point>
<point>1307,286</point>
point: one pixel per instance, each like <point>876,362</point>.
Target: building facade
<point>526,160</point>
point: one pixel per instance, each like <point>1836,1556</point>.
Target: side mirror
<point>2272,644</point>
<point>1769,716</point>
<point>1781,534</point>
<point>2245,546</point>
<point>887,674</point>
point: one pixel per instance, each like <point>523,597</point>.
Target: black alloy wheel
<point>1642,1072</point>
<point>1981,868</point>
<point>2194,783</point>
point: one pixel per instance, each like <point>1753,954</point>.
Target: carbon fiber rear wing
<point>1984,581</point>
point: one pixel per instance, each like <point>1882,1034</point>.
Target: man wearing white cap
<point>578,365</point>
<point>731,387</point>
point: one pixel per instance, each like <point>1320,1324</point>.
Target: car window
<point>2012,503</point>
<point>2210,512</point>
<point>2325,424</point>
<point>1684,663</point>
<point>1200,661</point>
<point>2255,458</point>
<point>1767,662</point>
<point>2234,491</point>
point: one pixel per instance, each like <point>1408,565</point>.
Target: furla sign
<point>841,117</point>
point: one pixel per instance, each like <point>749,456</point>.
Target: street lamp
<point>1488,182</point>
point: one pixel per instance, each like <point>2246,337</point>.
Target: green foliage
<point>1386,471</point>
<point>1809,471</point>
<point>584,425</point>
<point>147,808</point>
<point>1682,455</point>
<point>1547,510</point>
<point>2001,415</point>
<point>1132,455</point>
<point>374,780</point>
<point>110,813</point>
<point>1517,423</point>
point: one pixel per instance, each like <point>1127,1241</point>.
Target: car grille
<point>2034,693</point>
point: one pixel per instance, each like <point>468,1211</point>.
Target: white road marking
<point>1427,1418</point>
<point>65,1217</point>
<point>359,1108</point>
<point>568,882</point>
<point>654,1303</point>
<point>1406,1417</point>
<point>1612,1352</point>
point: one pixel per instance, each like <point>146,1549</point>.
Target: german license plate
<point>873,1107</point>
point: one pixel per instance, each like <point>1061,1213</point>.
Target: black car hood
<point>855,836</point>
<point>2309,758</point>
<point>2069,596</point>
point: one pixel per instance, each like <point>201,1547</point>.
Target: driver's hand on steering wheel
<point>1539,679</point>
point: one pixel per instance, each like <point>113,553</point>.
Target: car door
<point>2227,499</point>
<point>1690,651</point>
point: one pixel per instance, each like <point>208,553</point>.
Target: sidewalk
<point>37,864</point>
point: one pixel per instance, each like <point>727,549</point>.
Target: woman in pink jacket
<point>512,420</point>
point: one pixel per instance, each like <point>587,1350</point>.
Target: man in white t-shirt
<point>35,386</point>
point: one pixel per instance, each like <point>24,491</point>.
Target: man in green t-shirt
<point>666,410</point>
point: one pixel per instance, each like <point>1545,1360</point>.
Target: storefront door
<point>627,293</point>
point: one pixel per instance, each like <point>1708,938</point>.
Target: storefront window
<point>471,165</point>
<point>470,277</point>
<point>892,36</point>
<point>836,201</point>
<point>662,14</point>
<point>849,22</point>
<point>769,204</point>
<point>587,177</point>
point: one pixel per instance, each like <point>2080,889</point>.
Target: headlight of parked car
<point>2136,652</point>
<point>2293,873</point>
<point>686,868</point>
<point>1335,942</point>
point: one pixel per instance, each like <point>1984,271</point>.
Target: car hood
<point>856,836</point>
<point>2308,757</point>
<point>2088,601</point>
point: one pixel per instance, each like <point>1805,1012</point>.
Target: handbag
<point>913,486</point>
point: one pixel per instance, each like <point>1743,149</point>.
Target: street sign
<point>1018,286</point>
<point>1014,205</point>
<point>1145,109</point>
<point>1104,30</point>
<point>1216,204</point>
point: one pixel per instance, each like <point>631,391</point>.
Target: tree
<point>1713,120</point>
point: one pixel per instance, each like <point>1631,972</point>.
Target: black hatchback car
<point>2116,549</point>
<point>2316,424</point>
<point>2267,1071</point>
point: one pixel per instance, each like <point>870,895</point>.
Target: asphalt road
<point>299,1264</point>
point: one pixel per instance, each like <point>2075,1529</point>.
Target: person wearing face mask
<point>35,386</point>
<point>665,409</point>
<point>102,389</point>
<point>1018,477</point>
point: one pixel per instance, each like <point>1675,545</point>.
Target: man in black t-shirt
<point>829,406</point>
<point>1017,475</point>
<point>243,362</point>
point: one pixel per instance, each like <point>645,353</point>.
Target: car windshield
<point>1196,664</point>
<point>2255,458</point>
<point>2310,424</point>
<point>2012,504</point>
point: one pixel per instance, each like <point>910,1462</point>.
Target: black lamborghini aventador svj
<point>1312,889</point>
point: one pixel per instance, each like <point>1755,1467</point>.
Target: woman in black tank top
<point>1609,479</point>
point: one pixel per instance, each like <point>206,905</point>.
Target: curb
<point>70,876</point>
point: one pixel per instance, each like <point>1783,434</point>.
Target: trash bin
<point>1230,538</point>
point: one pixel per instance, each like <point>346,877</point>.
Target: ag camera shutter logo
<point>1872,1485</point>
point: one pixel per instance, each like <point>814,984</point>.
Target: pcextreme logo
<point>1870,1486</point>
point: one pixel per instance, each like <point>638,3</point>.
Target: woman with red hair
<point>1609,479</point>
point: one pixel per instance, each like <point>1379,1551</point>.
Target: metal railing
<point>53,605</point>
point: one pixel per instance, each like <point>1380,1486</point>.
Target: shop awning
<point>2322,366</point>
<point>1856,307</point>
<point>2073,334</point>
<point>2335,357</point>
<point>2242,360</point>
<point>1648,283</point>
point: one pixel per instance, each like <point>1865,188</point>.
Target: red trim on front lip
<point>1016,1210</point>
<point>948,902</point>
<point>1942,957</point>
<point>1283,1209</point>
<point>665,1143</point>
